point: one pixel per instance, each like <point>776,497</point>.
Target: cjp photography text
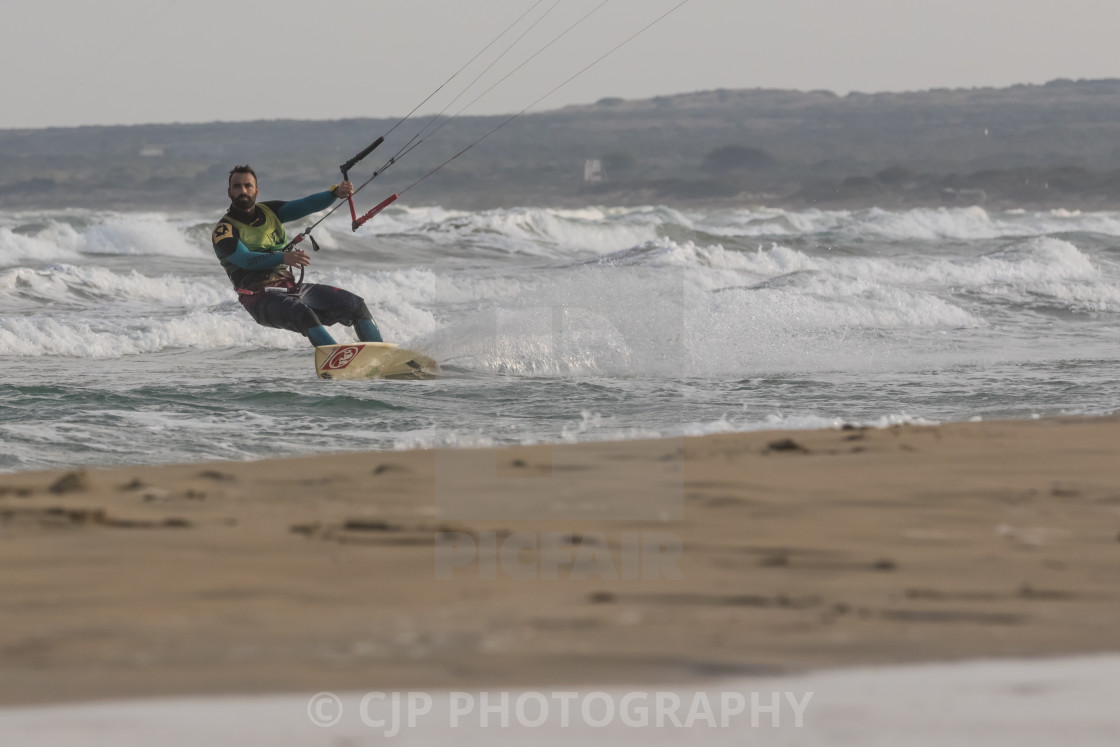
<point>392,713</point>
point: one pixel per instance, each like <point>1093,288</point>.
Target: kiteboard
<point>372,360</point>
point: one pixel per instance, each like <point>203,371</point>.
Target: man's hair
<point>246,169</point>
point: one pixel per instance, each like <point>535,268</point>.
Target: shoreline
<point>676,560</point>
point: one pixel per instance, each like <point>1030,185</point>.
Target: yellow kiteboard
<point>372,360</point>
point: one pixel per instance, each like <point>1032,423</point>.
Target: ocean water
<point>122,341</point>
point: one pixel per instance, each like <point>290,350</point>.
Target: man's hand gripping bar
<point>345,169</point>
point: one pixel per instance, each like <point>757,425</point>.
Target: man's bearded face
<point>243,191</point>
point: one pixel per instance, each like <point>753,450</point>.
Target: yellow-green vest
<point>268,237</point>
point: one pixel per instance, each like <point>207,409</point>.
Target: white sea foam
<point>524,231</point>
<point>54,238</point>
<point>597,426</point>
<point>144,234</point>
<point>789,318</point>
<point>405,219</point>
<point>1028,271</point>
<point>86,284</point>
<point>924,224</point>
<point>534,231</point>
<point>737,301</point>
<point>42,335</point>
<point>59,241</point>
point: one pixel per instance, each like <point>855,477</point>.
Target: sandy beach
<point>739,555</point>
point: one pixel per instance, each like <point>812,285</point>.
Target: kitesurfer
<point>249,241</point>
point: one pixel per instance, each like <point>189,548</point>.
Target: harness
<point>268,237</point>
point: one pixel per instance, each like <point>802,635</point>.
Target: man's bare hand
<point>296,258</point>
<point>344,190</point>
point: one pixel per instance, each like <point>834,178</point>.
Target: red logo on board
<point>341,358</point>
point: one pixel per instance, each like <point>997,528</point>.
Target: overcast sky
<point>75,62</point>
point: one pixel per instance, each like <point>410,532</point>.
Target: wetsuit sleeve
<point>296,209</point>
<point>249,260</point>
<point>228,247</point>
